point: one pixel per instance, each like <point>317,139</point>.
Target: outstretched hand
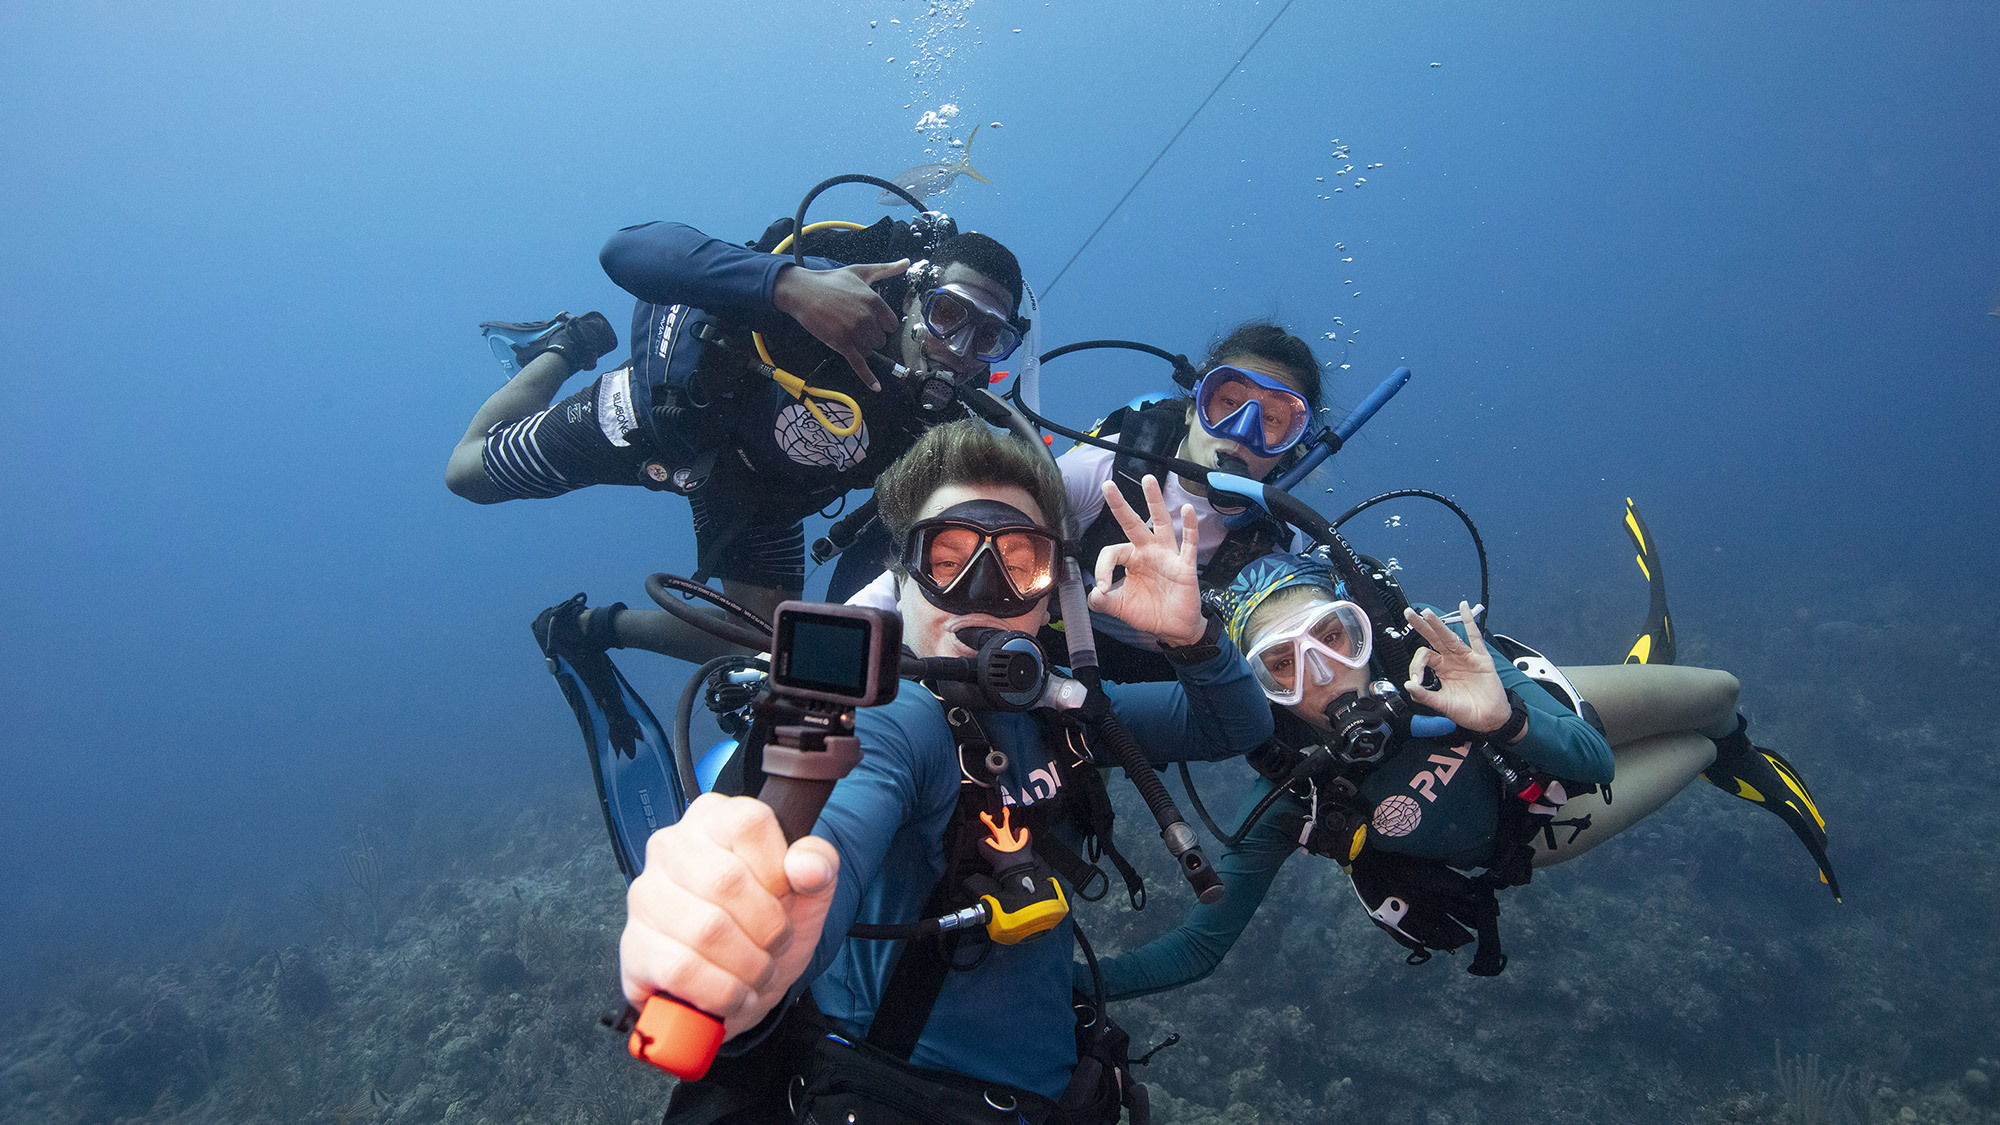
<point>1160,594</point>
<point>841,309</point>
<point>1469,691</point>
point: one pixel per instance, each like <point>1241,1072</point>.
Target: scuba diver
<point>1248,409</point>
<point>764,385</point>
<point>1248,412</point>
<point>1516,775</point>
<point>784,945</point>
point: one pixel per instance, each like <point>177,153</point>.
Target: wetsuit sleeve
<point>675,264</point>
<point>1191,951</point>
<point>1558,741</point>
<point>1216,711</point>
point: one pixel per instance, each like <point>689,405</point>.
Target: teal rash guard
<point>1008,1020</point>
<point>1429,799</point>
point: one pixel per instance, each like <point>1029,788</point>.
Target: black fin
<point>1764,778</point>
<point>1655,644</point>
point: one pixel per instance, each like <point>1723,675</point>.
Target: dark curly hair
<point>980,252</point>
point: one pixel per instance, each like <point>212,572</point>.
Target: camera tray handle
<point>801,765</point>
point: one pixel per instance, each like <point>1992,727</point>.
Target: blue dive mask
<point>1256,411</point>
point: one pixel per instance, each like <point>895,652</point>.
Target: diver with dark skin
<point>775,462</point>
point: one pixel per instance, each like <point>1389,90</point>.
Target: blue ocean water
<point>1735,261</point>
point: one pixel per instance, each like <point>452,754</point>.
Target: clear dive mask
<point>1257,411</point>
<point>968,325</point>
<point>1315,644</point>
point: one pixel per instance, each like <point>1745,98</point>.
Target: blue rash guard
<point>1009,1020</point>
<point>1456,797</point>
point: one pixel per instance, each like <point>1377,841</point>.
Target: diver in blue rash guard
<point>727,919</point>
<point>694,413</point>
<point>1430,804</point>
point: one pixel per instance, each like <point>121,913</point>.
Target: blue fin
<point>631,757</point>
<point>504,336</point>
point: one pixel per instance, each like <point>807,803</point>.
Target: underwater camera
<point>842,655</point>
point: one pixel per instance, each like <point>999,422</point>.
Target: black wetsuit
<point>762,461</point>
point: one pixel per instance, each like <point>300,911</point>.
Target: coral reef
<point>461,967</point>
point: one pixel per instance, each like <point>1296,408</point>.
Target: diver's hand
<point>1469,689</point>
<point>725,916</point>
<point>1160,594</point>
<point>841,309</point>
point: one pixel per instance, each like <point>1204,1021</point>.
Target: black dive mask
<point>982,556</point>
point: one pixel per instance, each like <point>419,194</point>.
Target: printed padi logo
<point>1444,767</point>
<point>1043,784</point>
<point>1397,816</point>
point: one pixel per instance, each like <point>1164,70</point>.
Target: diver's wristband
<point>1517,720</point>
<point>1210,644</point>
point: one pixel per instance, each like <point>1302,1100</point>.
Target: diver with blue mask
<point>1249,409</point>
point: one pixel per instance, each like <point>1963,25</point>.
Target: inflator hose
<point>662,588</point>
<point>684,715</point>
<point>1180,839</point>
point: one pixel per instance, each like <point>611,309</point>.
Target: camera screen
<point>827,654</point>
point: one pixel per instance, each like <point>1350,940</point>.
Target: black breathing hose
<point>1478,544</point>
<point>748,630</point>
<point>1184,372</point>
<point>1180,839</point>
<point>684,715</point>
<point>799,219</point>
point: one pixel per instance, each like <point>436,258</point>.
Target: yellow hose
<point>795,386</point>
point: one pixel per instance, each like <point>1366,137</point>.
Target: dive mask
<point>968,325</point>
<point>1315,643</point>
<point>982,556</point>
<point>1258,412</point>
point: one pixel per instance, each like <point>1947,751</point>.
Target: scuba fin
<point>1763,777</point>
<point>638,784</point>
<point>580,340</point>
<point>1656,642</point>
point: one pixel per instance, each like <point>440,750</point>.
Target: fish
<point>926,180</point>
